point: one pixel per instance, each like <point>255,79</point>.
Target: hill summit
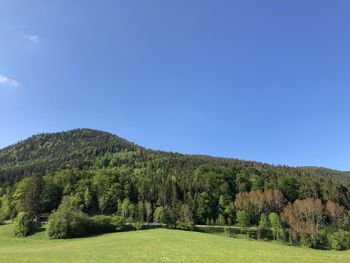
<point>53,151</point>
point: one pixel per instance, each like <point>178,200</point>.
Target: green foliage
<point>317,240</point>
<point>58,225</point>
<point>339,240</point>
<point>138,225</point>
<point>55,151</point>
<point>264,227</point>
<point>99,173</point>
<point>204,205</point>
<point>6,209</point>
<point>140,212</point>
<point>159,215</point>
<point>108,190</point>
<point>276,227</point>
<point>49,196</point>
<point>103,224</point>
<point>23,225</point>
<point>69,222</point>
<point>184,225</point>
<point>27,195</point>
<point>243,219</point>
<point>66,223</point>
<point>229,231</point>
<point>127,210</point>
<point>220,220</point>
<point>289,187</point>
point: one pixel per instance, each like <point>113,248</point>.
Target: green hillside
<point>85,173</point>
<point>158,245</point>
<point>54,151</point>
<point>80,148</point>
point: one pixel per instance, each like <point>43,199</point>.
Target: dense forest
<point>96,174</point>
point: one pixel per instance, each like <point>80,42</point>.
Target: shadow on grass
<point>39,230</point>
<point>36,230</point>
<point>102,233</point>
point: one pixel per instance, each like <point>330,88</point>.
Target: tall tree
<point>27,195</point>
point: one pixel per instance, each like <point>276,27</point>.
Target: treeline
<point>210,195</point>
<point>309,221</point>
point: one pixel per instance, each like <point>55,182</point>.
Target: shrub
<point>243,219</point>
<point>220,220</point>
<point>104,224</point>
<point>317,240</point>
<point>264,231</point>
<point>81,225</point>
<point>339,240</point>
<point>276,227</point>
<point>5,208</point>
<point>250,233</point>
<point>138,225</point>
<point>58,224</point>
<point>228,231</point>
<point>64,223</point>
<point>184,225</point>
<point>23,225</point>
<point>101,224</point>
<point>118,223</point>
<point>159,215</point>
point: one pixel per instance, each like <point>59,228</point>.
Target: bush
<point>138,225</point>
<point>64,223</point>
<point>81,225</point>
<point>339,240</point>
<point>23,225</point>
<point>243,219</point>
<point>264,231</point>
<point>104,224</point>
<point>228,231</point>
<point>118,223</point>
<point>58,225</point>
<point>318,240</point>
<point>184,225</point>
<point>159,215</point>
<point>101,224</point>
<point>276,227</point>
<point>220,220</point>
<point>5,208</point>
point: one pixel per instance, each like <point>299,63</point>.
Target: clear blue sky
<point>257,80</point>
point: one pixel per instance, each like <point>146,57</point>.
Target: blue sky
<point>257,80</point>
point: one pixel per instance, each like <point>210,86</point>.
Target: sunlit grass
<point>157,245</point>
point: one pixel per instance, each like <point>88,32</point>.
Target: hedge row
<point>65,224</point>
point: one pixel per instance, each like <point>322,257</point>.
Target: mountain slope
<point>69,145</point>
<point>79,148</point>
<point>100,173</point>
<point>53,151</point>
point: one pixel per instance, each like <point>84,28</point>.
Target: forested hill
<point>80,148</point>
<point>54,151</point>
<point>67,145</point>
<point>99,173</point>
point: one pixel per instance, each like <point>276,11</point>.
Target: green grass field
<point>157,245</point>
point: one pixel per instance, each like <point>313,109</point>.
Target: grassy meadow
<point>157,245</point>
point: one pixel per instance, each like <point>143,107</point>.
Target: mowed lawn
<point>157,245</point>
